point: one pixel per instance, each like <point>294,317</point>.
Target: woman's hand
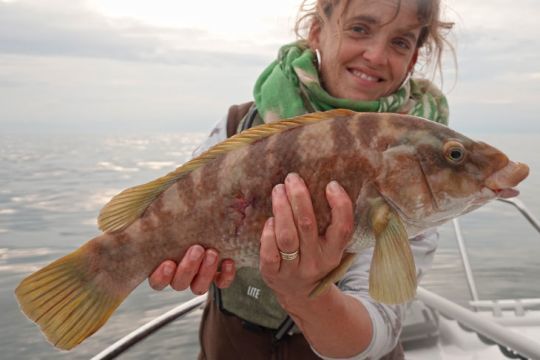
<point>197,269</point>
<point>294,228</point>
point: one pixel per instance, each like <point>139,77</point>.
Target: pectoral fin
<point>334,276</point>
<point>392,277</point>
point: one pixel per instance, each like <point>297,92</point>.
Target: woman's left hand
<point>294,228</point>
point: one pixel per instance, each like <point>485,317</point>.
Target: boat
<point>435,327</point>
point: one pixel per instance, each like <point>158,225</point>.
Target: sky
<point>176,65</point>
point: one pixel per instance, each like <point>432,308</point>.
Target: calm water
<point>51,189</point>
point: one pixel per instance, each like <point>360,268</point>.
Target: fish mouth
<point>503,181</point>
<point>506,193</point>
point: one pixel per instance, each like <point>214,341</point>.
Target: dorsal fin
<point>129,205</point>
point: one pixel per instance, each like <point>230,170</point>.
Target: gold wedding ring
<point>289,256</point>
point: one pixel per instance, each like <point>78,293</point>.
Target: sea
<point>52,187</point>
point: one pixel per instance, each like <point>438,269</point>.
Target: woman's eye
<point>359,29</point>
<point>402,44</point>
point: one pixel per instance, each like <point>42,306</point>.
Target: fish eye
<point>454,152</point>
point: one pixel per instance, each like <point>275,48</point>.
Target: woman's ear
<point>314,35</point>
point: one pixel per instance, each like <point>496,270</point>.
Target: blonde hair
<point>433,34</point>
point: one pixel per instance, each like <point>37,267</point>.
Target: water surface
<point>51,190</point>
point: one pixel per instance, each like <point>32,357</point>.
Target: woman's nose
<point>376,52</point>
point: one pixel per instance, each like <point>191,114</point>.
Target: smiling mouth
<point>363,76</point>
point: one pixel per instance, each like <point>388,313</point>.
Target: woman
<point>359,54</point>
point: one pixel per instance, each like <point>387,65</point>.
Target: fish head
<point>442,174</point>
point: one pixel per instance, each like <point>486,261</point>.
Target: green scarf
<point>290,86</point>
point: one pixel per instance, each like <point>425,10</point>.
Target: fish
<point>404,174</point>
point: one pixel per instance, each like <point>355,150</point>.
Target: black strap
<point>283,329</point>
<point>250,118</point>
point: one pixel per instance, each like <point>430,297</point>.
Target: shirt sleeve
<point>386,319</point>
<point>217,135</point>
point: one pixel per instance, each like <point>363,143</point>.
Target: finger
<point>188,268</point>
<point>269,254</point>
<point>284,226</point>
<point>304,216</point>
<point>207,271</point>
<point>339,232</point>
<point>163,275</point>
<point>225,278</point>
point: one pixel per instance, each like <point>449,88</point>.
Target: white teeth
<point>364,76</point>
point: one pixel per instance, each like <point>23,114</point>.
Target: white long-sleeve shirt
<point>386,319</point>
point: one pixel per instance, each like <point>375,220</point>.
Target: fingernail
<point>279,189</point>
<point>334,187</point>
<point>210,258</point>
<point>270,222</point>
<point>196,253</point>
<point>227,267</point>
<point>293,177</point>
<point>167,270</point>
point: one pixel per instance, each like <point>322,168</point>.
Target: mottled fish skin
<point>224,204</point>
<point>404,174</point>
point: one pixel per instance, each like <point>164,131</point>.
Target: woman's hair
<point>431,42</point>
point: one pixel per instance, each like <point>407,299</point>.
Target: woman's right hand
<point>197,269</point>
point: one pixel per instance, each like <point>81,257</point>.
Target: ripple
<point>20,268</point>
<point>9,254</point>
<point>156,165</point>
<point>7,211</point>
<point>100,198</point>
<point>92,222</point>
<point>106,165</point>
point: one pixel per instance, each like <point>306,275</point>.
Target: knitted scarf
<point>290,86</point>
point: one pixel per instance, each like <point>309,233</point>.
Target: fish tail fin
<point>67,300</point>
<point>334,276</point>
<point>392,276</point>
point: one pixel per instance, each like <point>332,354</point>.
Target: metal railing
<point>489,329</point>
<point>520,206</point>
<point>149,328</point>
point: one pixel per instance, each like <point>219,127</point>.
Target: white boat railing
<point>518,306</point>
<point>520,206</point>
<point>149,328</point>
<point>487,329</point>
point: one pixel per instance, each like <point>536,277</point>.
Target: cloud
<point>62,62</point>
<point>65,67</point>
<point>70,28</point>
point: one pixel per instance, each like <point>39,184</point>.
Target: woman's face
<point>368,54</point>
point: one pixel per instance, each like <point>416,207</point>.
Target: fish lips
<point>503,181</point>
<point>506,193</point>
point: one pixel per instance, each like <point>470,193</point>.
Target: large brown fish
<point>406,174</point>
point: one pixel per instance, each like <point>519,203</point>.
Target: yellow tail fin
<point>66,301</point>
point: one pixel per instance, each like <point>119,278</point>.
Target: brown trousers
<point>226,337</point>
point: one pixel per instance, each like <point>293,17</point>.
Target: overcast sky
<point>176,65</point>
